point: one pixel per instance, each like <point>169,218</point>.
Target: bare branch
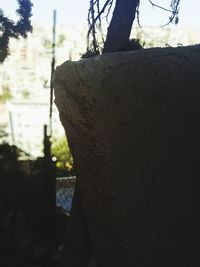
<point>138,15</point>
<point>95,18</point>
<point>109,8</point>
<point>174,11</point>
<point>160,7</point>
<point>98,16</point>
<point>92,21</point>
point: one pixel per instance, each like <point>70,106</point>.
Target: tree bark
<point>120,25</point>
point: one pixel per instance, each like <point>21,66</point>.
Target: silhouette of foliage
<point>10,29</point>
<point>118,35</point>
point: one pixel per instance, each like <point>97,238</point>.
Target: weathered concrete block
<point>132,121</point>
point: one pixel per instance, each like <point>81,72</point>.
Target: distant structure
<point>25,75</point>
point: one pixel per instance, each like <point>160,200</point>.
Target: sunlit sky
<point>74,12</point>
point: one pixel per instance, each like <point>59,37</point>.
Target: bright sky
<point>74,12</point>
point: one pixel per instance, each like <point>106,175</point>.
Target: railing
<point>64,192</point>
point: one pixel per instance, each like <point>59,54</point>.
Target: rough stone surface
<point>132,121</point>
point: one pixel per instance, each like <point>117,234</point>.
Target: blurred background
<point>26,72</point>
<point>37,178</point>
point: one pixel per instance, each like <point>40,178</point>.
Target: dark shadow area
<point>32,228</point>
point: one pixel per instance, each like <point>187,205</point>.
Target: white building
<point>25,75</point>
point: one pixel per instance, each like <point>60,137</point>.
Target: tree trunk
<point>120,25</point>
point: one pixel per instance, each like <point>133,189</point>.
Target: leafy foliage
<point>6,94</point>
<point>10,29</point>
<point>60,150</point>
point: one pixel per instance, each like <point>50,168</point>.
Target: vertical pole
<point>47,145</point>
<point>52,69</point>
<point>49,175</point>
<point>12,128</point>
<point>14,149</point>
<point>49,183</point>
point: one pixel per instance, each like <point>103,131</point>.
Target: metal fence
<point>64,192</point>
<point>23,229</point>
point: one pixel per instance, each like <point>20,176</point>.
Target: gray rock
<point>132,121</point>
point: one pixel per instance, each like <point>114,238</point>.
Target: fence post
<point>49,183</point>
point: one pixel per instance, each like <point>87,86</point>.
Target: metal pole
<point>49,184</point>
<point>52,70</point>
<point>12,128</point>
<point>47,146</point>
